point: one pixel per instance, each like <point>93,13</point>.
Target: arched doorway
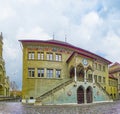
<point>80,95</point>
<point>1,90</point>
<point>89,95</point>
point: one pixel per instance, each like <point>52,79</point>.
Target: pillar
<point>93,77</point>
<point>85,98</point>
<point>75,74</point>
<point>85,75</point>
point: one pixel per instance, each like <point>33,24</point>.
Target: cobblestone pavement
<point>101,108</point>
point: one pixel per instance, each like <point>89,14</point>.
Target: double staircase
<point>64,84</point>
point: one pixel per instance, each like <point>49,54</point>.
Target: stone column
<point>93,77</point>
<point>75,75</point>
<point>85,75</point>
<point>85,98</point>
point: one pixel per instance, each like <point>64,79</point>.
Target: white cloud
<point>9,50</point>
<point>6,11</point>
<point>34,33</point>
<point>111,46</point>
<point>30,1</point>
<point>93,25</point>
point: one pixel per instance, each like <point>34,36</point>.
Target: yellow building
<point>4,80</point>
<point>56,72</point>
<point>113,87</point>
<point>115,71</point>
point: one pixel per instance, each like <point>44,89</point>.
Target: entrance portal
<point>80,95</point>
<point>89,94</point>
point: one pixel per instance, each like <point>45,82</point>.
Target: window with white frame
<point>99,67</point>
<point>104,68</point>
<point>49,56</point>
<point>103,79</point>
<point>95,65</point>
<point>95,77</point>
<point>40,72</point>
<point>31,72</point>
<point>40,55</point>
<point>58,73</point>
<point>99,79</point>
<point>58,57</point>
<point>31,55</point>
<point>49,73</point>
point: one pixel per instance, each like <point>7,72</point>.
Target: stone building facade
<point>4,80</point>
<point>56,72</point>
<point>115,71</point>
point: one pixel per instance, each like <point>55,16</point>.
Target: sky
<point>93,25</point>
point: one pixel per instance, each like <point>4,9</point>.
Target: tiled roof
<point>112,76</point>
<point>65,44</point>
<point>115,64</point>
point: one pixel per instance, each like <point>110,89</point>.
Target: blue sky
<point>90,24</point>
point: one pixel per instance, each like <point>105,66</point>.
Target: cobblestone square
<point>19,108</point>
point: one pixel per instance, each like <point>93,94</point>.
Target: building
<point>56,72</point>
<point>115,71</point>
<point>113,87</point>
<point>4,80</point>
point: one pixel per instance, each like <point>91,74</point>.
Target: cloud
<point>34,33</point>
<point>6,11</point>
<point>93,25</point>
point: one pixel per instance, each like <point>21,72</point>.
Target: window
<point>58,73</point>
<point>89,77</point>
<point>99,66</point>
<point>31,72</point>
<point>95,65</point>
<point>95,77</point>
<point>103,79</point>
<point>49,73</point>
<point>99,78</point>
<point>49,56</point>
<point>40,72</point>
<point>40,55</point>
<point>58,57</point>
<point>104,68</point>
<point>31,55</point>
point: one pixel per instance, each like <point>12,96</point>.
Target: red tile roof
<point>65,44</point>
<point>112,76</point>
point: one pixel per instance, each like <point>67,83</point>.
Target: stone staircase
<point>53,90</point>
<point>98,84</point>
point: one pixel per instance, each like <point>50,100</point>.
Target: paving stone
<point>19,108</point>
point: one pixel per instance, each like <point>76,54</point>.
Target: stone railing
<point>53,90</point>
<point>103,90</point>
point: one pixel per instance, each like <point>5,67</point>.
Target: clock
<point>85,62</point>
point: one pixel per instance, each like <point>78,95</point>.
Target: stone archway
<point>1,90</point>
<point>80,72</point>
<point>89,72</point>
<point>80,95</point>
<point>72,72</point>
<point>89,95</point>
